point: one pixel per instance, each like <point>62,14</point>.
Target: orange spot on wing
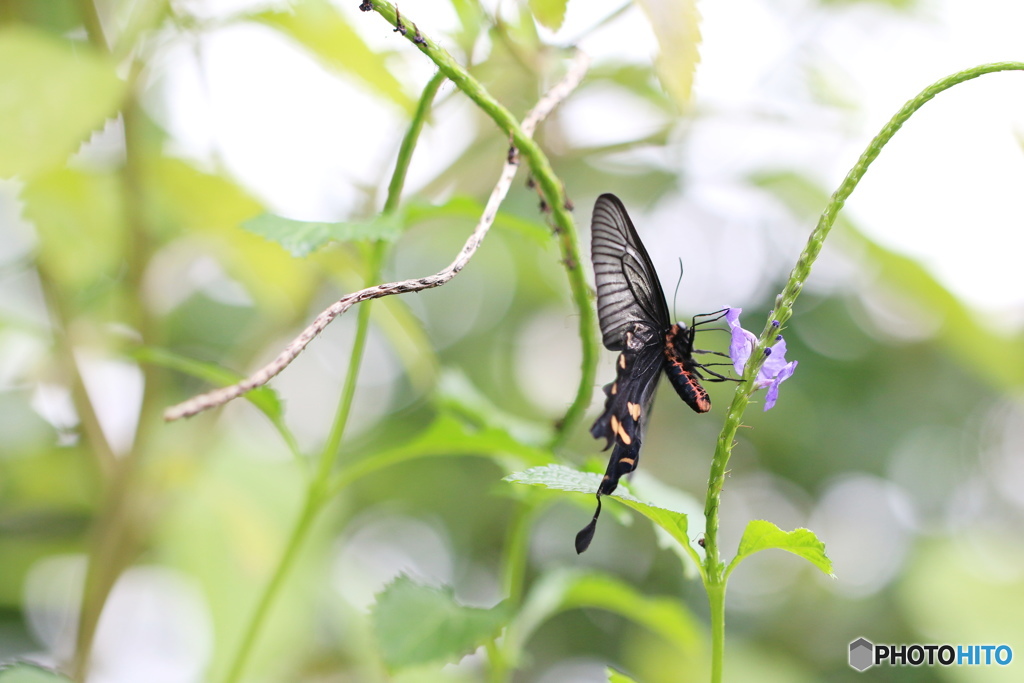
<point>634,410</point>
<point>622,361</point>
<point>620,431</point>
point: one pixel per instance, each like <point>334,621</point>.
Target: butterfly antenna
<point>586,534</point>
<point>678,282</point>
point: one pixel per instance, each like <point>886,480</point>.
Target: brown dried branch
<point>544,107</point>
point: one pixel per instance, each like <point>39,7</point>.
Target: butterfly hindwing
<point>628,290</point>
<point>628,402</point>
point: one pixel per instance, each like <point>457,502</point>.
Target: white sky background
<point>303,139</point>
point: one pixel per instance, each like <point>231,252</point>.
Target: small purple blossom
<point>775,369</point>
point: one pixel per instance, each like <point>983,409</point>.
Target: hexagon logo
<point>862,654</point>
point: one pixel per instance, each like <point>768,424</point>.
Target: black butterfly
<point>635,320</point>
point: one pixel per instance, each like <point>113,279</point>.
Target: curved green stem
<point>328,455</point>
<point>318,493</point>
<point>714,567</point>
<point>784,302</point>
<point>552,190</point>
<point>309,512</point>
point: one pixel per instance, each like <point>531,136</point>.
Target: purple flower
<point>775,369</point>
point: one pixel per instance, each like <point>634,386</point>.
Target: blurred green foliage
<point>133,278</point>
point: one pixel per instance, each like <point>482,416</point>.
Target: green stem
<point>309,512</point>
<point>784,303</point>
<point>517,546</point>
<point>716,602</point>
<point>405,150</point>
<point>498,671</point>
<point>552,190</point>
<point>318,493</point>
<point>118,532</point>
<point>328,455</point>
<point>714,567</point>
<point>93,26</point>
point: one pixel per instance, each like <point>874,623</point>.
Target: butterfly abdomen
<point>681,368</point>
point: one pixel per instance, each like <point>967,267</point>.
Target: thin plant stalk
<point>317,493</point>
<point>715,579</point>
<point>117,532</point>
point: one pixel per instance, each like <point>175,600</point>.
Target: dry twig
<point>545,106</point>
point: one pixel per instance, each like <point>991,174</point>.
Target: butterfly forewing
<point>628,290</point>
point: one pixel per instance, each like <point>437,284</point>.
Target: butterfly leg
<point>708,318</point>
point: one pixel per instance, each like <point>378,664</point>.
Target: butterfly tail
<point>586,534</point>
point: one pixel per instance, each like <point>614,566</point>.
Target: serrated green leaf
<point>567,479</point>
<point>617,676</point>
<point>301,238</point>
<point>676,25</point>
<point>763,535</point>
<point>53,94</point>
<point>560,591</point>
<point>416,624</point>
<point>564,478</point>
<point>320,28</point>
<point>550,13</point>
<point>30,673</point>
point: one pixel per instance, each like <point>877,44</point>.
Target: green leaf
<point>209,208</point>
<point>550,13</point>
<point>301,238</point>
<point>471,19</point>
<point>416,624</point>
<point>567,479</point>
<point>675,523</point>
<point>264,398</point>
<point>762,535</point>
<point>564,478</point>
<point>30,673</point>
<point>53,94</point>
<point>320,28</point>
<point>457,394</point>
<point>559,591</point>
<point>448,436</point>
<point>471,209</point>
<point>676,25</point>
<point>80,222</point>
<point>617,676</point>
